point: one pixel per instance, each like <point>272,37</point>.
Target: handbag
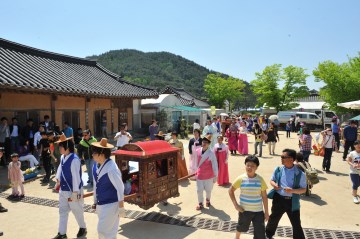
<point>264,137</point>
<point>271,193</point>
<point>322,150</point>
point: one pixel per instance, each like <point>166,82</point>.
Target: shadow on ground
<point>137,229</point>
<point>314,198</point>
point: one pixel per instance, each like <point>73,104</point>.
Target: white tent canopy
<point>310,105</point>
<point>350,105</point>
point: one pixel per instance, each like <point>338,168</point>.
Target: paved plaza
<point>328,213</point>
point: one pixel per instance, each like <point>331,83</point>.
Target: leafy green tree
<point>342,82</point>
<point>266,86</point>
<point>219,89</point>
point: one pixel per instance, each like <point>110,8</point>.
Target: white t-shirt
<point>15,132</point>
<point>123,139</point>
<point>243,130</point>
<point>355,157</point>
<point>328,141</point>
<point>196,126</point>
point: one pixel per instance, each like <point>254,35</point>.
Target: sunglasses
<point>285,157</point>
<point>84,135</point>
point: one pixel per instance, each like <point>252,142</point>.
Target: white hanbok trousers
<point>108,224</point>
<point>32,160</point>
<point>65,207</point>
<point>202,185</point>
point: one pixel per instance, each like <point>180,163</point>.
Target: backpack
<point>311,173</point>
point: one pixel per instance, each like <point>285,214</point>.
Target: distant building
<point>167,109</point>
<point>185,97</point>
<point>314,102</point>
<point>34,83</point>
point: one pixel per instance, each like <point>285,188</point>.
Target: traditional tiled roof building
<point>34,83</point>
<point>185,97</point>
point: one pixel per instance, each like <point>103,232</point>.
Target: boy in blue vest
<point>289,182</point>
<point>68,177</point>
<point>108,190</point>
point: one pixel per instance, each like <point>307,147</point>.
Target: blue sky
<point>235,37</point>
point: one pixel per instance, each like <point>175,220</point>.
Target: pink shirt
<point>14,172</point>
<point>209,168</point>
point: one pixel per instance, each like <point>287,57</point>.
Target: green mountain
<point>156,69</point>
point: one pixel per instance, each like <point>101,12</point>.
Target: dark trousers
<point>337,140</point>
<point>31,145</point>
<point>15,144</point>
<point>288,133</point>
<point>279,207</point>
<point>306,155</point>
<point>348,144</point>
<point>47,166</point>
<point>257,219</point>
<point>327,159</point>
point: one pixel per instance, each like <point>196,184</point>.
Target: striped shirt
<point>250,192</point>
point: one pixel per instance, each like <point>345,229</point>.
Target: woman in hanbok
<point>222,155</point>
<point>232,135</point>
<point>194,144</point>
<point>210,129</point>
<point>243,139</point>
<point>182,170</point>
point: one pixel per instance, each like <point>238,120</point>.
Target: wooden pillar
<point>53,107</point>
<point>87,100</point>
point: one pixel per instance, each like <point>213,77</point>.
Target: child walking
<point>353,160</point>
<point>16,177</point>
<point>253,199</point>
<point>288,129</point>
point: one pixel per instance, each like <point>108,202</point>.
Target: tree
<point>266,86</point>
<point>342,82</point>
<point>219,89</point>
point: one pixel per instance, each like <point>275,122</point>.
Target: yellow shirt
<point>250,192</point>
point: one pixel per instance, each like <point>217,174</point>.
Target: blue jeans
<point>14,144</point>
<point>306,155</point>
<point>260,144</point>
<point>89,163</point>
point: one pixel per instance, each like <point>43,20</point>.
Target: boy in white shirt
<point>353,160</point>
<point>122,137</point>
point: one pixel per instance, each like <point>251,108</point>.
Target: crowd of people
<point>54,150</point>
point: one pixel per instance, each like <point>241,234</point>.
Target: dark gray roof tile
<point>27,68</point>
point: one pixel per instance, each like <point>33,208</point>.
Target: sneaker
<point>1,234</point>
<point>59,236</point>
<point>200,206</point>
<point>45,181</point>
<point>82,232</point>
<point>356,200</point>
